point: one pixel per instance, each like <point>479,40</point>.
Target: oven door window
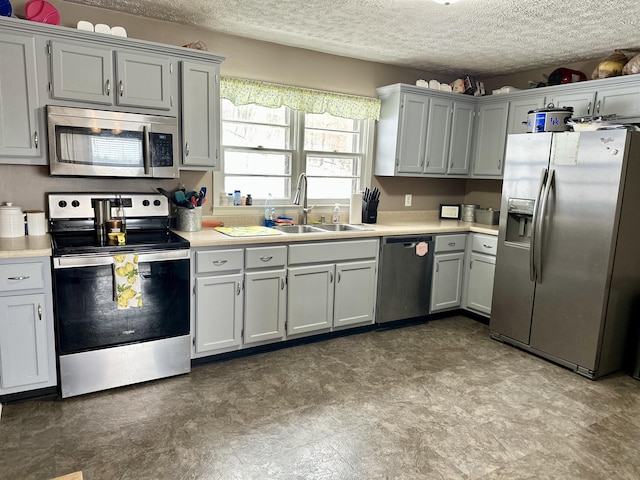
<point>99,146</point>
<point>88,318</point>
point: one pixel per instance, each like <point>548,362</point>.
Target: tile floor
<point>434,401</point>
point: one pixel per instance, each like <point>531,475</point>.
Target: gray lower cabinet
<point>265,294</point>
<point>200,114</point>
<point>331,285</point>
<point>20,138</point>
<point>448,270</point>
<point>217,306</point>
<point>92,74</point>
<point>480,274</point>
<point>27,350</point>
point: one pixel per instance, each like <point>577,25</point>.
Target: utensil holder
<point>189,219</point>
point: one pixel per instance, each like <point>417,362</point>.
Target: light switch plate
<point>407,200</point>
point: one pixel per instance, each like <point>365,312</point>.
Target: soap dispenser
<point>336,214</point>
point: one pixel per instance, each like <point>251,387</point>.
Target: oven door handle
<point>93,260</point>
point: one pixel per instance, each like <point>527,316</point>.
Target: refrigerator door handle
<point>543,210</point>
<point>534,222</point>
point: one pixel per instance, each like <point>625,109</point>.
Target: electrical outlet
<point>407,200</point>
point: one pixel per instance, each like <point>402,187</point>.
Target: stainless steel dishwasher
<point>404,284</point>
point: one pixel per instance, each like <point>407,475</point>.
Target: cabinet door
<point>412,133</point>
<point>480,288</point>
<point>461,138</point>
<point>18,98</point>
<point>438,135</point>
<point>519,113</point>
<point>622,101</point>
<point>200,114</point>
<point>583,101</point>
<point>143,81</point>
<point>354,293</point>
<point>264,305</point>
<point>446,286</point>
<point>82,73</point>
<point>490,139</point>
<point>218,312</point>
<point>23,341</point>
<point>310,298</point>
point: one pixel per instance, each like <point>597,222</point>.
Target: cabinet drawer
<point>485,244</point>
<point>219,260</point>
<point>21,276</point>
<point>450,243</point>
<point>260,257</point>
<point>332,252</point>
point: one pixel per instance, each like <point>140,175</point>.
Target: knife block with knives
<point>370,201</point>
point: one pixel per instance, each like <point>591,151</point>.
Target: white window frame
<point>298,162</point>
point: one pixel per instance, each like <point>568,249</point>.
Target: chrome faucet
<point>301,190</point>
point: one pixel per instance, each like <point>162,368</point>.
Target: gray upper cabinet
<point>490,139</point>
<point>200,114</point>
<point>19,129</point>
<point>619,96</point>
<point>519,112</point>
<point>461,137</point>
<point>423,133</point>
<point>438,134</point>
<point>86,74</point>
<point>412,133</point>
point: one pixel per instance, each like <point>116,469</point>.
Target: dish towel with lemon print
<point>128,285</point>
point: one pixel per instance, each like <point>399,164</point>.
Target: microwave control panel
<point>161,149</point>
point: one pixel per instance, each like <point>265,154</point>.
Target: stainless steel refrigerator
<point>567,281</point>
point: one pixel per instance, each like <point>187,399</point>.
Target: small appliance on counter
<point>487,216</point>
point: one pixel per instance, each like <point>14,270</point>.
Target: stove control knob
<point>156,203</point>
<point>75,203</point>
<point>62,204</point>
<point>145,203</point>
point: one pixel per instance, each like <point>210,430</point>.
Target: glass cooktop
<point>75,243</point>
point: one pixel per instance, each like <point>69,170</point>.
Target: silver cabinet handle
<point>121,88</point>
<point>39,312</point>
<point>437,267</point>
<point>471,265</point>
<point>107,87</point>
<point>598,107</point>
<point>21,277</point>
<point>186,149</point>
<point>487,246</point>
<point>452,244</point>
<point>219,263</point>
<point>330,277</point>
<point>589,109</point>
<point>35,139</point>
<point>282,283</point>
<point>339,277</point>
<point>421,161</point>
<point>499,163</point>
<point>238,292</point>
<point>266,259</point>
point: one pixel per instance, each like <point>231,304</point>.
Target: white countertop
<point>40,246</point>
<point>208,237</point>
<point>27,246</point>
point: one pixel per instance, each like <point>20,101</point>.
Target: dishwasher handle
<point>409,241</point>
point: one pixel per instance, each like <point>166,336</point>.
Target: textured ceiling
<point>480,37</point>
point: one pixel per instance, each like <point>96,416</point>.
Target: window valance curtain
<point>243,92</point>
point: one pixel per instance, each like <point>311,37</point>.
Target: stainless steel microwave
<point>87,142</point>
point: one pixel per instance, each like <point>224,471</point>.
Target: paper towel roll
<point>355,208</point>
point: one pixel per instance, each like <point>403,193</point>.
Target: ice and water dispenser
<point>519,220</point>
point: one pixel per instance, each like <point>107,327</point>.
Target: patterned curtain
<point>243,92</point>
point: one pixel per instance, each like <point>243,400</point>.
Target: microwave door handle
<point>146,150</point>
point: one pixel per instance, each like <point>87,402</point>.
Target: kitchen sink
<point>299,229</point>
<point>341,227</point>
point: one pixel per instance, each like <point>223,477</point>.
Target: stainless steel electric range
<point>121,307</point>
